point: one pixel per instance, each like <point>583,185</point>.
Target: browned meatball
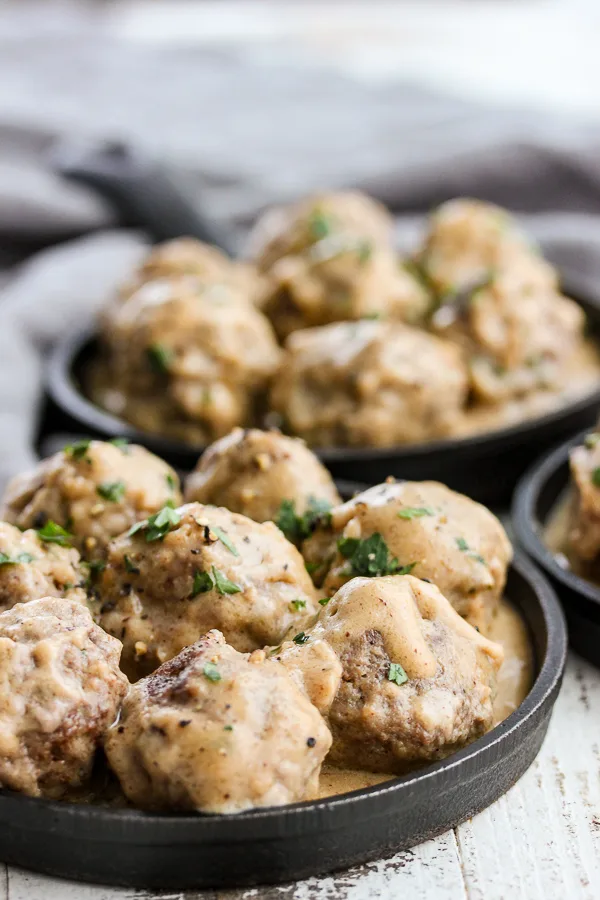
<point>370,384</point>
<point>217,731</point>
<point>188,256</point>
<point>185,359</point>
<point>265,476</point>
<point>584,533</point>
<point>61,689</point>
<point>418,681</point>
<point>469,239</point>
<point>196,568</point>
<point>517,339</point>
<point>31,567</point>
<point>332,260</point>
<point>93,490</point>
<point>419,527</point>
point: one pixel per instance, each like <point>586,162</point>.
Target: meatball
<point>418,527</point>
<point>584,533</point>
<point>31,567</point>
<point>264,476</point>
<point>186,571</point>
<point>93,490</point>
<point>517,339</point>
<point>469,239</point>
<point>61,689</point>
<point>418,681</point>
<point>289,230</point>
<point>186,359</point>
<point>369,383</point>
<point>217,731</point>
<point>188,256</point>
<point>331,261</point>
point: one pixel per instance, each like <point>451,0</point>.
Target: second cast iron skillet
<point>484,466</point>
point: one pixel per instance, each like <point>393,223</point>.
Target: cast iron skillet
<point>143,850</point>
<point>484,466</point>
<point>536,495</point>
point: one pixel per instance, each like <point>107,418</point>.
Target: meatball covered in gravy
<point>418,681</point>
<point>332,260</point>
<point>186,359</point>
<point>186,571</point>
<point>61,690</point>
<point>369,383</point>
<point>265,476</point>
<point>422,528</point>
<point>31,568</point>
<point>584,533</point>
<point>92,490</point>
<point>217,731</point>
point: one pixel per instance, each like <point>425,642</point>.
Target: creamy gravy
<point>514,681</point>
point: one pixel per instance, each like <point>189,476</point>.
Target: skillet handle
<point>140,190</point>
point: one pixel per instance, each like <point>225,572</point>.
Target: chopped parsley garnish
<point>122,443</point>
<point>596,476</point>
<point>397,674</point>
<point>464,548</point>
<point>300,638</point>
<point>370,557</point>
<point>298,604</point>
<point>130,567</point>
<point>202,583</point>
<point>415,512</point>
<point>111,490</point>
<point>95,568</point>
<point>223,584</point>
<point>591,440</point>
<point>171,483</point>
<point>324,601</point>
<point>224,539</point>
<point>227,727</point>
<point>52,533</point>
<point>158,525</point>
<point>297,527</point>
<point>211,672</point>
<point>364,252</point>
<point>160,358</point>
<point>78,449</point>
<point>6,560</point>
<point>320,225</point>
<point>311,567</point>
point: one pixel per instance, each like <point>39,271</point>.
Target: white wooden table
<point>542,840</point>
<point>539,842</point>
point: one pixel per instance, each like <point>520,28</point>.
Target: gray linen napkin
<point>244,131</point>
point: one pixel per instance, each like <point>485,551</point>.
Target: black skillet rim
<point>136,827</point>
<point>526,522</point>
<point>65,393</point>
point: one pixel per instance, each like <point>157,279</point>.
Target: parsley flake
<point>298,604</point>
<point>111,490</point>
<point>324,601</point>
<point>300,638</point>
<point>78,449</point>
<point>223,584</point>
<point>415,512</point>
<point>397,674</point>
<point>160,358</point>
<point>464,548</point>
<point>52,533</point>
<point>211,672</point>
<point>20,558</point>
<point>129,566</point>
<point>224,539</point>
<point>462,544</point>
<point>227,727</point>
<point>320,225</point>
<point>371,557</point>
<point>122,443</point>
<point>298,527</point>
<point>171,482</point>
<point>158,525</point>
<point>596,476</point>
<point>364,251</point>
<point>202,583</point>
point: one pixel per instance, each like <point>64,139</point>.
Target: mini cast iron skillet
<point>536,496</point>
<point>143,850</point>
<point>485,466</point>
